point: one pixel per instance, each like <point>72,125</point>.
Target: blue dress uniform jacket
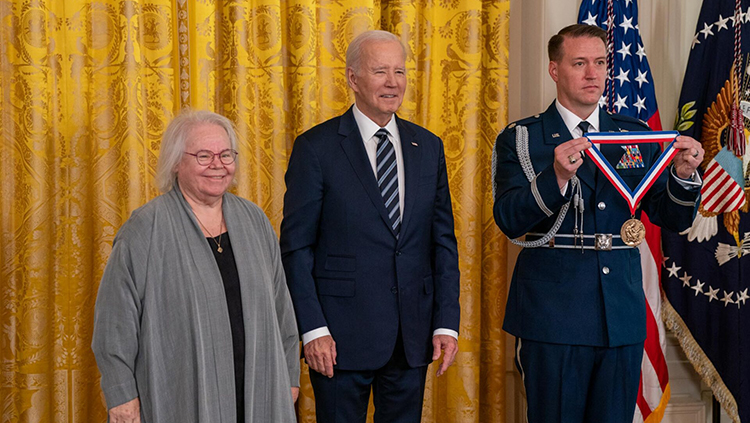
<point>564,296</point>
<point>345,267</point>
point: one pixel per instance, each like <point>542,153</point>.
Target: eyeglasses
<point>205,157</point>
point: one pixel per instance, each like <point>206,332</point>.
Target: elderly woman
<point>193,319</point>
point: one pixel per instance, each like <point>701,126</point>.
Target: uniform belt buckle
<point>603,242</point>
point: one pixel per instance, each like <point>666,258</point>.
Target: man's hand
<point>320,354</point>
<point>568,158</point>
<point>130,412</point>
<point>449,345</point>
<point>689,158</point>
<point>295,393</point>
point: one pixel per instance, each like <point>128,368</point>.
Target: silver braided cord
<point>522,149</point>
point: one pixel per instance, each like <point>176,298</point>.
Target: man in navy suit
<point>368,247</point>
<point>576,304</point>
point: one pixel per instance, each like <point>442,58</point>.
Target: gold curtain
<point>86,90</point>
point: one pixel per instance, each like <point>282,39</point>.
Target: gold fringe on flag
<point>698,359</point>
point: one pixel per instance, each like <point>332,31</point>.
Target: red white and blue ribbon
<point>633,197</point>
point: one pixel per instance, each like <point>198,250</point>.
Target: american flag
<point>630,91</point>
<point>723,183</point>
<point>705,275</point>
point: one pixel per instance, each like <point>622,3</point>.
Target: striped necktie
<point>388,178</point>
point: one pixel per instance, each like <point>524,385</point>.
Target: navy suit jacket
<point>345,267</point>
<point>561,295</point>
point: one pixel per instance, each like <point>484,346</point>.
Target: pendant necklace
<point>218,243</point>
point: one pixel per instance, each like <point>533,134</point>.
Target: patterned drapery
<point>86,90</point>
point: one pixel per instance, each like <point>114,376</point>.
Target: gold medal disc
<point>633,232</point>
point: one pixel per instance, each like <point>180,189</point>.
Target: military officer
<point>576,304</point>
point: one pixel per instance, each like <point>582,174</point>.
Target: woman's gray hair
<point>175,139</point>
<point>354,51</point>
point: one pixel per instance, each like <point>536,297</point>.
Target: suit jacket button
<point>394,290</point>
<point>398,253</point>
<point>601,205</point>
<point>605,270</point>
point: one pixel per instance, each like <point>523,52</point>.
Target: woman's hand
<point>130,412</point>
<point>295,393</point>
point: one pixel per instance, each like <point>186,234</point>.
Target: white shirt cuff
<point>563,189</point>
<point>323,331</point>
<point>315,334</point>
<point>443,331</point>
<point>694,182</point>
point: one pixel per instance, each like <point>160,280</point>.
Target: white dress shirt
<point>571,122</point>
<point>368,128</point>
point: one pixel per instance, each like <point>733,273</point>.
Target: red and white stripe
<point>720,192</point>
<point>654,390</point>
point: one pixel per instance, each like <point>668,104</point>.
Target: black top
<point>231,279</point>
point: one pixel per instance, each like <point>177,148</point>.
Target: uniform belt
<point>599,242</point>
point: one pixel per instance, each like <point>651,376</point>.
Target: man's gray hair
<point>175,139</point>
<point>354,51</point>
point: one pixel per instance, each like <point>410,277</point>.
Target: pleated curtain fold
<point>86,91</point>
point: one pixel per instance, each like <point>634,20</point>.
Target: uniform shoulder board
<point>529,120</point>
<point>522,122</point>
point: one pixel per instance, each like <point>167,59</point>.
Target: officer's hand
<point>689,157</point>
<point>568,158</point>
<point>320,354</point>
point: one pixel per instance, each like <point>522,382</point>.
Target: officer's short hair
<point>554,47</point>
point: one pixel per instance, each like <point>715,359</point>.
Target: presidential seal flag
<point>630,91</point>
<point>707,269</point>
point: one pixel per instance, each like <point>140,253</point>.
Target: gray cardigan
<point>161,325</point>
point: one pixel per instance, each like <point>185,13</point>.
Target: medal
<point>632,232</point>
